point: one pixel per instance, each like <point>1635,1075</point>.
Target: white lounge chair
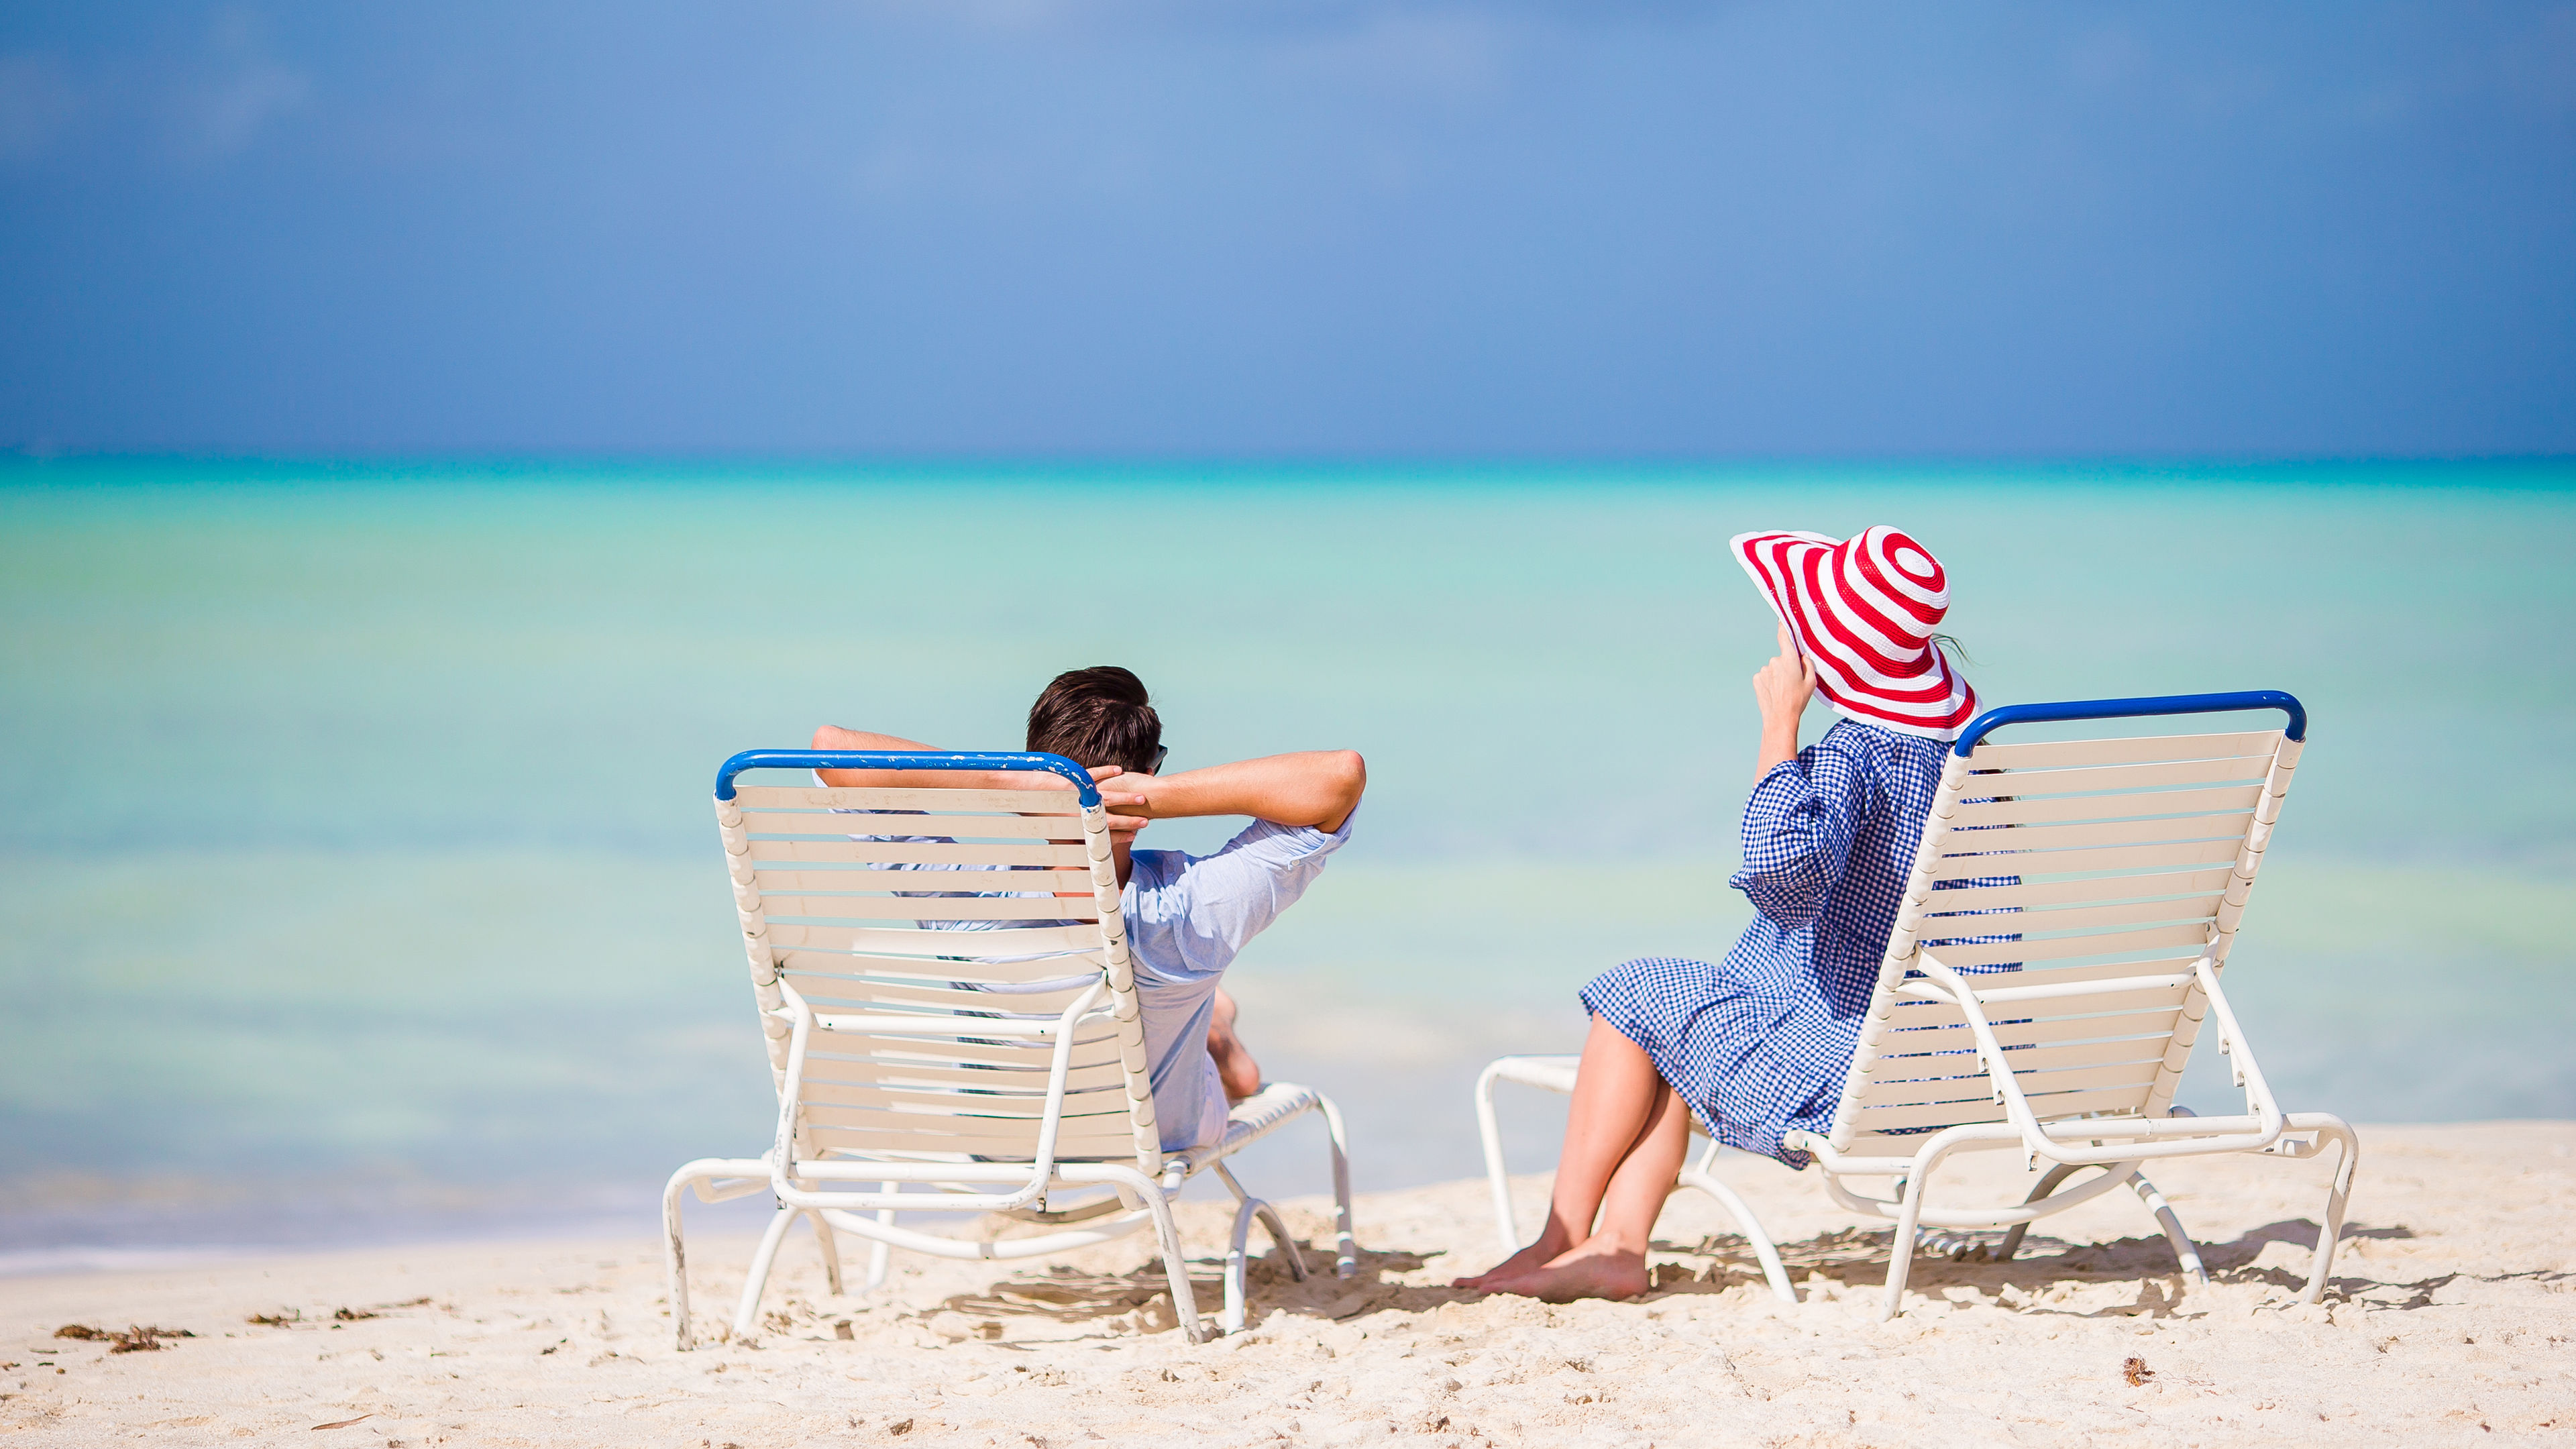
<point>2067,1038</point>
<point>997,1070</point>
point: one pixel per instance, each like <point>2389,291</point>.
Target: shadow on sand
<point>2045,1277</point>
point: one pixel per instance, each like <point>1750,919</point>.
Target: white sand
<point>2452,1321</point>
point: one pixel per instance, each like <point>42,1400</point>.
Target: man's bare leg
<point>1235,1068</point>
<point>1616,1092</point>
<point>1612,1262</point>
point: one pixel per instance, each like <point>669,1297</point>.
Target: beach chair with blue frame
<point>988,1070</point>
<point>2055,1013</point>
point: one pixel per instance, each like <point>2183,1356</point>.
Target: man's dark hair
<point>1097,716</point>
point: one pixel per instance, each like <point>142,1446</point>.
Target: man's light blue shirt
<point>1188,916</point>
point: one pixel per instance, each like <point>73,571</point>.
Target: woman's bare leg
<point>1611,1263</point>
<point>1616,1091</point>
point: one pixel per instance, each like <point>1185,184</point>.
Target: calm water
<point>356,874</point>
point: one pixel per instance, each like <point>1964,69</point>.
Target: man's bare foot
<point>1235,1069</point>
<point>1590,1271</point>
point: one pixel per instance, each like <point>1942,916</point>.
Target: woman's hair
<point>1097,716</point>
<point>1951,643</point>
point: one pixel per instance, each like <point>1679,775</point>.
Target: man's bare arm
<point>1313,787</point>
<point>833,737</point>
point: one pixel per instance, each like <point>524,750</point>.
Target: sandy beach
<point>2452,1319</point>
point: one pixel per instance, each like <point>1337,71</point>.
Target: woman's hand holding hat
<point>1782,688</point>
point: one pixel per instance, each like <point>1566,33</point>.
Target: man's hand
<point>1119,825</point>
<point>1781,689</point>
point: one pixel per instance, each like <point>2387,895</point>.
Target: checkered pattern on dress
<point>1759,1043</point>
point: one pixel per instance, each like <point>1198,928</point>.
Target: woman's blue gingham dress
<point>1759,1043</point>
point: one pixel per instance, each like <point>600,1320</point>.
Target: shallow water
<point>355,824</point>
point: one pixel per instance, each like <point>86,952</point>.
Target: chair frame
<point>1912,976</point>
<point>808,1184</point>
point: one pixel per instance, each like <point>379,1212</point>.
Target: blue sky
<point>1111,228</point>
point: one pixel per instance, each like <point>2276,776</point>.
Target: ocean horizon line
<point>2526,471</point>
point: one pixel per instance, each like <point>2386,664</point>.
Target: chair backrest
<point>2068,863</point>
<point>933,935</point>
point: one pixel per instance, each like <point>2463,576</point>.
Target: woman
<point>1759,1043</point>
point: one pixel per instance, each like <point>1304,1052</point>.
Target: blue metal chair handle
<point>1995,719</point>
<point>903,760</point>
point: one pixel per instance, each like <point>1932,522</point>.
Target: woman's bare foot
<point>1235,1069</point>
<point>1594,1270</point>
<point>1551,1244</point>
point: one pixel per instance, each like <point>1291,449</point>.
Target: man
<point>1186,915</point>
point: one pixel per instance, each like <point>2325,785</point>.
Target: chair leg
<point>1237,1262</point>
<point>1279,1239</point>
<point>2047,1184</point>
<point>1176,1269</point>
<point>750,1173</point>
<point>1230,1320</point>
<point>2185,1255</point>
<point>881,1253</point>
<point>1495,1175</point>
<point>1271,1222</point>
<point>2338,1197</point>
<point>1346,1261</point>
<point>1909,1216</point>
<point>1703,1179</point>
<point>675,1257</point>
<point>748,1314</point>
<point>831,1254</point>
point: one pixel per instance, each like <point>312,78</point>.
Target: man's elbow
<point>1348,774</point>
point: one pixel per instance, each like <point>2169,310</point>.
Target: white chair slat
<point>2145,1048</point>
<point>2075,918</point>
<point>2171,774</point>
<point>2143,749</point>
<point>845,1130</point>
<point>1960,955</point>
<point>2047,974</point>
<point>2106,858</point>
<point>1983,1109</point>
<point>2115,887</point>
<point>934,968</point>
<point>1029,1078</point>
<point>1913,1012</point>
<point>998,1127</point>
<point>958,827</point>
<point>854,964</point>
<point>1972,1082</point>
<point>836,996</point>
<point>789,936</point>
<point>923,907</point>
<point>854,1056</point>
<point>848,852</point>
<point>1937,1035</point>
<point>807,879</point>
<point>2036,840</point>
<point>809,797</point>
<point>954,1102</point>
<point>2204,800</point>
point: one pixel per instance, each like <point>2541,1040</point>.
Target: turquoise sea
<point>357,876</point>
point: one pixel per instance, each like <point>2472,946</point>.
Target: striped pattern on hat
<point>1864,610</point>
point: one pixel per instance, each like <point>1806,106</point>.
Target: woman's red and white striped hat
<point>1864,610</point>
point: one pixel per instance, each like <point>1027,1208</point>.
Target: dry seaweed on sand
<point>136,1338</point>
